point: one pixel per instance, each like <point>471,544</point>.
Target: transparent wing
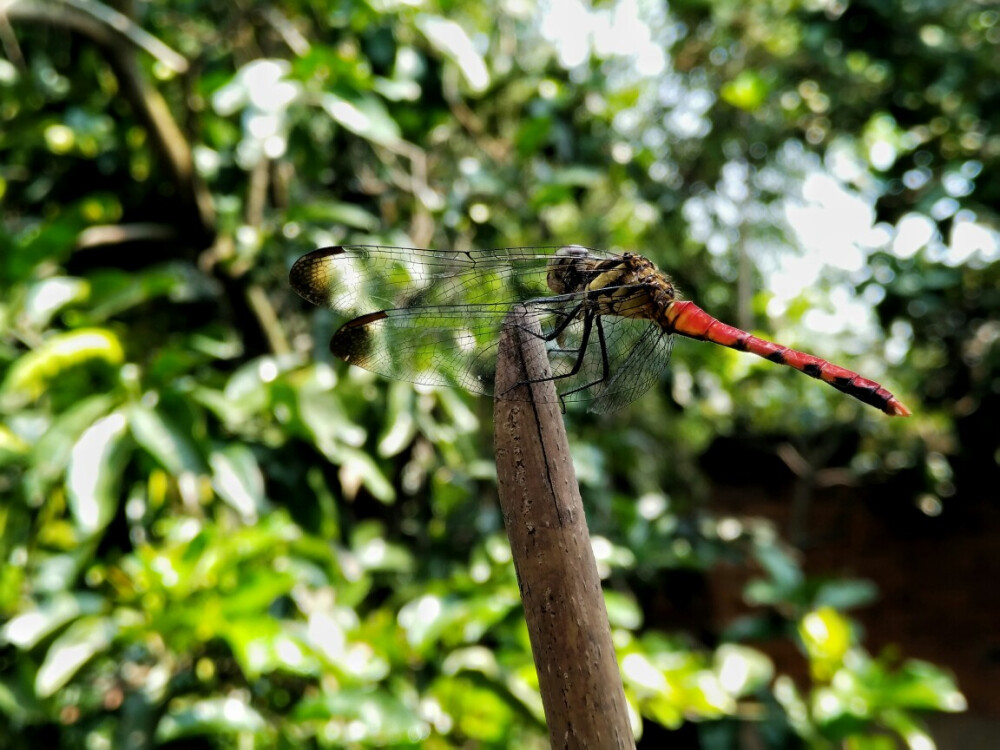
<point>642,355</point>
<point>434,317</point>
<point>353,280</point>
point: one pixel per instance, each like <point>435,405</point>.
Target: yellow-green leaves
<point>451,40</point>
<point>747,91</point>
<point>31,375</point>
<point>94,472</point>
<point>826,635</point>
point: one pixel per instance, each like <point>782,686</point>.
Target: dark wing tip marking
<point>308,276</point>
<point>323,252</point>
<point>353,341</point>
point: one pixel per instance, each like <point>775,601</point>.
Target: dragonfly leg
<point>558,330</point>
<point>588,322</point>
<point>605,364</point>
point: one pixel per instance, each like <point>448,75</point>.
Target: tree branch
<point>119,36</point>
<point>561,590</point>
<point>97,21</point>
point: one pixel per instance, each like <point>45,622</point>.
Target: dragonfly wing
<point>430,345</point>
<point>435,317</point>
<point>456,345</point>
<point>640,354</point>
<point>353,280</point>
<point>610,364</point>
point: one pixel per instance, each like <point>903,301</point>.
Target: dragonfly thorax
<point>570,270</point>
<point>628,285</point>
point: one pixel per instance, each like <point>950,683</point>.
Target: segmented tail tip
<point>896,408</point>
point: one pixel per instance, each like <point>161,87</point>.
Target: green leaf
<point>94,472</point>
<point>481,713</point>
<point>786,577</point>
<point>163,440</point>
<point>846,594</point>
<point>376,716</point>
<point>748,91</point>
<point>374,553</point>
<point>50,455</point>
<point>742,670</point>
<point>333,213</point>
<point>397,89</point>
<point>31,375</point>
<point>82,640</point>
<point>47,297</point>
<point>450,39</point>
<point>28,629</point>
<point>113,291</point>
<point>363,115</point>
<point>402,426</point>
<point>210,717</point>
<point>261,647</point>
<point>623,611</point>
<point>237,478</point>
<point>357,469</point>
<point>916,685</point>
<point>12,447</point>
<point>827,637</point>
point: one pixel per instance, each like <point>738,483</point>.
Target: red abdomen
<point>687,319</point>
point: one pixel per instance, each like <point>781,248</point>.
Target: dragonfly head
<point>567,269</point>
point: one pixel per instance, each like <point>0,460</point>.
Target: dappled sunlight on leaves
<point>215,533</point>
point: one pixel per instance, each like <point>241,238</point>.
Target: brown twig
<point>116,234</point>
<point>560,587</point>
<point>10,46</point>
<point>119,37</point>
<point>97,21</point>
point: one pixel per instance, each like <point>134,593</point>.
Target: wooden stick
<point>563,604</point>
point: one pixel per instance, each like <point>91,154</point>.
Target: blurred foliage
<point>212,531</point>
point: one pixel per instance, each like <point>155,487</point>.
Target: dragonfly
<point>608,320</point>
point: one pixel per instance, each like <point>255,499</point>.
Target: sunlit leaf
<point>451,40</point>
<point>237,477</point>
<point>481,713</point>
<point>31,375</point>
<point>171,447</point>
<point>211,716</point>
<point>358,469</point>
<point>363,115</point>
<point>82,640</point>
<point>401,425</point>
<point>623,611</point>
<point>27,629</point>
<point>748,91</point>
<point>826,635</point>
<point>397,90</point>
<point>47,297</point>
<point>742,670</point>
<point>376,715</point>
<point>51,453</point>
<point>261,646</point>
<point>11,445</point>
<point>93,474</point>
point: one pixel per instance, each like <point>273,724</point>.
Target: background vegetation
<point>214,534</point>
